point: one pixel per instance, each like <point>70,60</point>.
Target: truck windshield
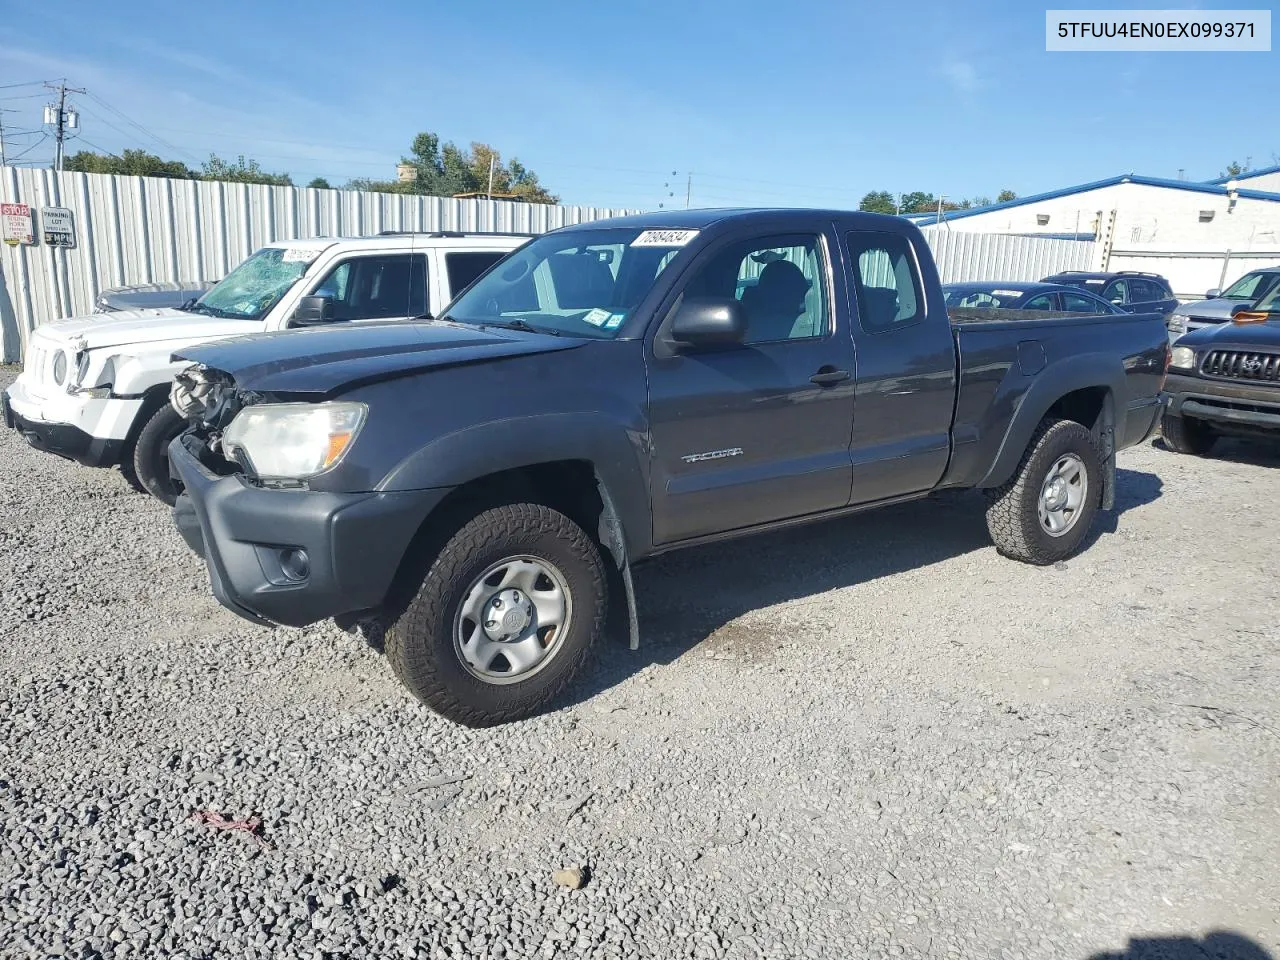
<point>254,287</point>
<point>585,283</point>
<point>1271,302</point>
<point>1247,287</point>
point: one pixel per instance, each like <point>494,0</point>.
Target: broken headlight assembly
<point>292,441</point>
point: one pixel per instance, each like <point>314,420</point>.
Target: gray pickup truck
<point>478,484</point>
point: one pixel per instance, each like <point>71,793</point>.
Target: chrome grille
<point>1242,365</point>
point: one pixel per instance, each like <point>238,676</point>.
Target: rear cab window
<point>886,281</point>
<point>463,266</point>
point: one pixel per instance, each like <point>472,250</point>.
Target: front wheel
<point>1186,436</point>
<point>150,460</point>
<point>504,618</point>
<point>1044,512</point>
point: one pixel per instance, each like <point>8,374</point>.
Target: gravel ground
<point>873,739</point>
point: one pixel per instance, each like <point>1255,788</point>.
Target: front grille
<point>1193,322</point>
<point>1242,365</point>
<point>37,363</point>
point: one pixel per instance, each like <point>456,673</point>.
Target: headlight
<point>60,367</point>
<point>292,440</point>
<point>1178,323</point>
<point>1184,358</point>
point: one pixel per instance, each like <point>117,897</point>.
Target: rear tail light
<point>1168,359</point>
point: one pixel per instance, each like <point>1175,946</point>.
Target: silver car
<point>1218,304</point>
<point>150,296</point>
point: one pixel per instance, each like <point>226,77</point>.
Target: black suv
<point>1225,379</point>
<point>1129,290</point>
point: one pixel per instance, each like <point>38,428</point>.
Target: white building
<point>1198,235</point>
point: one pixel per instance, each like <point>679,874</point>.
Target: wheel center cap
<point>509,613</point>
<point>1055,496</point>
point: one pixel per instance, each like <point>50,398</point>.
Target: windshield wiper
<point>519,323</point>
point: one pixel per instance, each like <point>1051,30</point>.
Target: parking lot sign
<point>58,226</point>
<point>15,224</point>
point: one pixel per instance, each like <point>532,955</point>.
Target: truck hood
<point>1242,336</point>
<point>1217,309</point>
<point>126,327</point>
<point>324,361</point>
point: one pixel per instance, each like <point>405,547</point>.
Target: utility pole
<point>493,158</point>
<point>61,119</point>
<point>688,191</point>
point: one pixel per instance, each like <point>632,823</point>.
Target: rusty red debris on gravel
<point>250,825</point>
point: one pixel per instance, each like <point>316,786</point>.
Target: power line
<point>24,83</point>
<point>133,123</point>
<point>19,156</point>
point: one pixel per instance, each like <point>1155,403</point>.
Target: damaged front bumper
<point>293,557</point>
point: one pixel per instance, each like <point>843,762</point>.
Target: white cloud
<point>962,76</point>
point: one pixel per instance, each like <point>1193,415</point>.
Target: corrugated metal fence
<point>997,256</point>
<point>142,230</point>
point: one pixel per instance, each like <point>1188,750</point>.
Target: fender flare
<point>617,455</point>
<point>1080,372</point>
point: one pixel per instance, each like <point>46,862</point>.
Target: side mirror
<point>709,322</point>
<point>312,311</point>
<point>1213,293</point>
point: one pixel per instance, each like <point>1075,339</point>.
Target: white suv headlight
<point>292,440</point>
<point>1184,358</point>
<point>1178,323</point>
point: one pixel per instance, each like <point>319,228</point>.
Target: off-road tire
<point>1187,436</point>
<point>150,455</point>
<point>1012,516</point>
<point>420,644</point>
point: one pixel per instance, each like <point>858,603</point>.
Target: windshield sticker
<point>300,254</point>
<point>614,321</point>
<point>664,238</point>
<point>1006,293</point>
<point>596,317</point>
<point>1095,281</point>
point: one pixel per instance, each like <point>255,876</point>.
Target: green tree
<point>131,163</point>
<point>443,170</point>
<point>919,202</point>
<point>242,171</point>
<point>1004,196</point>
<point>1234,169</point>
<point>319,183</point>
<point>878,201</point>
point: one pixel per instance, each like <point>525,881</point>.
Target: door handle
<point>828,375</point>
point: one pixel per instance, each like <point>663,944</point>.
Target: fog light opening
<point>295,563</point>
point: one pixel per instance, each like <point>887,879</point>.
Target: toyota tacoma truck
<point>1224,380</point>
<point>96,388</point>
<point>478,486</point>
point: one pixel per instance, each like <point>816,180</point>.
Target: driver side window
<point>377,288</point>
<point>778,281</point>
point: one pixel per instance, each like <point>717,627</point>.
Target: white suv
<point>96,388</point>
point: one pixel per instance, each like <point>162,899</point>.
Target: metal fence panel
<point>996,256</point>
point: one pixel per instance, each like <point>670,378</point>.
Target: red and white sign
<point>15,223</point>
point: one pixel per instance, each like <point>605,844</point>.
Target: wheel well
<point>568,486</point>
<point>1084,406</point>
<point>153,398</point>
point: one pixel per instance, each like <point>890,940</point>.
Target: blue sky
<point>764,102</point>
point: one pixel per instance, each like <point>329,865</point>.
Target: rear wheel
<point>1187,436</point>
<point>1044,512</point>
<point>504,618</point>
<point>150,460</point>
